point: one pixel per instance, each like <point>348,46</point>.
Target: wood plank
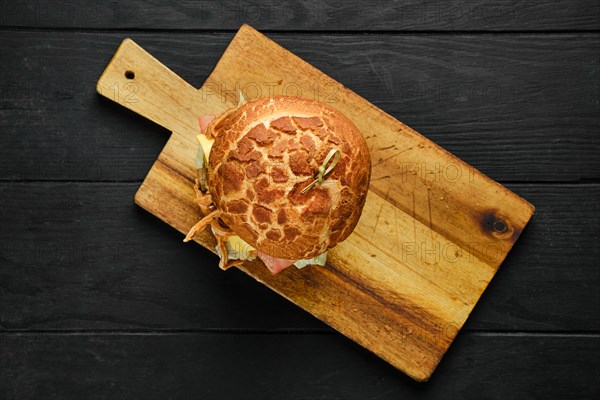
<point>412,15</point>
<point>290,366</point>
<point>547,90</point>
<point>82,256</point>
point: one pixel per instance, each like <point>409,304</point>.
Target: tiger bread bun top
<point>266,151</point>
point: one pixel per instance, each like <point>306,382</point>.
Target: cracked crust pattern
<point>265,152</point>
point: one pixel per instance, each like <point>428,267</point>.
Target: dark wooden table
<point>100,300</point>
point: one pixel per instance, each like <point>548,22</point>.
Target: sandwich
<point>283,179</point>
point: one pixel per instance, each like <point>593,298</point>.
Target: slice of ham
<point>204,120</point>
<point>274,264</point>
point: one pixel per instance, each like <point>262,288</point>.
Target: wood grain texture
<point>90,259</point>
<point>411,15</point>
<point>290,366</point>
<point>484,98</point>
<point>80,258</point>
<point>402,293</point>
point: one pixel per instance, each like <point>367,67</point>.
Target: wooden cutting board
<point>433,232</point>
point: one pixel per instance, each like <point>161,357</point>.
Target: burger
<point>283,179</point>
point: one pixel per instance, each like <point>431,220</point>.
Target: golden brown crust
<point>265,152</point>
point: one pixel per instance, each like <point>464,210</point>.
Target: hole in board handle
<point>500,226</point>
<point>129,74</point>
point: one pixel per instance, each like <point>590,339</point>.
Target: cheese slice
<point>238,249</point>
<point>206,144</point>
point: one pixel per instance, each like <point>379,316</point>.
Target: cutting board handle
<point>138,81</point>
